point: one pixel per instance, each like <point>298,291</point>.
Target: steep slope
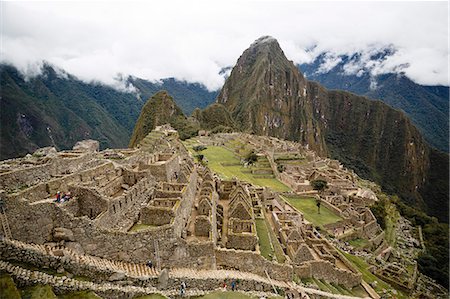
<point>161,109</point>
<point>427,106</point>
<point>57,109</point>
<point>215,117</point>
<point>267,95</point>
<point>49,110</point>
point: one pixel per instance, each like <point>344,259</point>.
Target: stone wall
<point>203,226</point>
<point>252,262</point>
<point>327,271</point>
<point>165,168</point>
<point>34,175</point>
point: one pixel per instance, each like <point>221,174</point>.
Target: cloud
<point>194,40</point>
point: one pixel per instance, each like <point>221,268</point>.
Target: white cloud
<point>194,40</point>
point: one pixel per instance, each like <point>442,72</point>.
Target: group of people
<point>233,285</point>
<point>62,199</point>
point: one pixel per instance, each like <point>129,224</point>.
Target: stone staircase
<point>104,265</point>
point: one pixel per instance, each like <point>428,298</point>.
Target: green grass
<point>309,209</point>
<point>139,226</point>
<point>358,243</point>
<point>8,288</point>
<point>279,253</point>
<point>219,159</point>
<point>265,245</point>
<point>80,295</point>
<point>38,292</point>
<point>151,296</point>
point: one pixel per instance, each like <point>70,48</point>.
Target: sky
<point>104,41</point>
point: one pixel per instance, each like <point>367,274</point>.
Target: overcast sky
<point>194,40</point>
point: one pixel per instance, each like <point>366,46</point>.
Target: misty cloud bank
<point>194,40</point>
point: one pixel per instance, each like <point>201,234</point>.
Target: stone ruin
<point>155,203</point>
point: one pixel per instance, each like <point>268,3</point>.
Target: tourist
<point>66,197</point>
<point>182,289</point>
<point>58,197</point>
<point>233,285</point>
<point>224,285</point>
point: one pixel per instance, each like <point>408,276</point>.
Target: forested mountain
<point>57,109</point>
<point>426,106</point>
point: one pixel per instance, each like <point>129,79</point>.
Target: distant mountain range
<point>427,106</point>
<point>57,109</point>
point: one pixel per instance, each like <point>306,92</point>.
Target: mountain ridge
<point>57,109</point>
<point>427,106</point>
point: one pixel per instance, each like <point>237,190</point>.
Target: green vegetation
<point>319,185</point>
<point>279,253</point>
<point>251,158</point>
<point>8,287</point>
<point>308,207</point>
<point>434,262</point>
<point>80,295</point>
<point>215,117</point>
<point>139,226</point>
<point>199,148</point>
<point>151,296</point>
<point>227,165</point>
<point>379,211</point>
<point>359,243</point>
<point>161,109</point>
<point>38,292</point>
<point>427,106</point>
<point>265,246</point>
<point>73,109</point>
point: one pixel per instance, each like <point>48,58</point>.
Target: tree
<point>199,148</point>
<point>251,158</point>
<point>319,185</point>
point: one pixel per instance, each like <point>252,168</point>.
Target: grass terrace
<point>307,206</point>
<point>265,246</point>
<point>227,165</point>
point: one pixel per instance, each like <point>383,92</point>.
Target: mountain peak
<point>266,39</point>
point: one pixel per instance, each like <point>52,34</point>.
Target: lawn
<point>359,243</point>
<point>309,209</point>
<point>227,165</point>
<point>264,241</point>
<point>139,226</point>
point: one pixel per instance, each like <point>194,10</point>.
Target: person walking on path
<point>58,197</point>
<point>182,289</point>
<point>233,285</point>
